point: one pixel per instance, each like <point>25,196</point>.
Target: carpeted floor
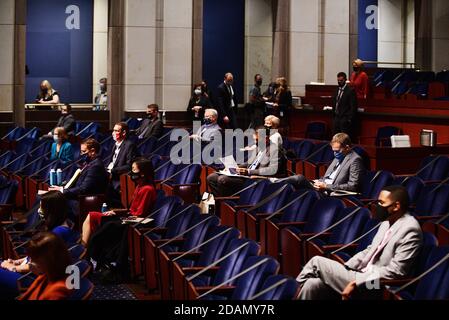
<point>112,292</point>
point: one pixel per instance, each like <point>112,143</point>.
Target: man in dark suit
<point>265,163</point>
<point>151,126</point>
<point>93,178</point>
<point>344,106</point>
<point>227,103</point>
<point>66,120</point>
<point>344,173</point>
<point>123,154</point>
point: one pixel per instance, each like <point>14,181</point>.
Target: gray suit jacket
<point>270,163</point>
<point>397,258</point>
<point>150,128</point>
<point>349,177</point>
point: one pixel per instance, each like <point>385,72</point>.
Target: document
<point>73,179</point>
<point>229,162</point>
<point>133,219</point>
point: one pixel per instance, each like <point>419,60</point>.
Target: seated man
<point>265,164</point>
<point>151,126</point>
<point>391,255</point>
<point>66,120</point>
<point>210,127</point>
<point>93,178</point>
<point>123,154</point>
<point>344,173</point>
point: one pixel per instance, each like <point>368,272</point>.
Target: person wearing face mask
<point>359,80</point>
<point>120,161</point>
<point>142,174</point>
<point>256,104</point>
<point>227,103</point>
<point>61,149</point>
<point>152,126</point>
<point>47,95</point>
<point>66,120</point>
<point>344,173</point>
<point>49,261</point>
<point>344,107</point>
<point>198,103</point>
<point>101,99</point>
<point>391,255</point>
<point>53,213</point>
<point>209,128</point>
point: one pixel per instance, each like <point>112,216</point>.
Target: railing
<point>55,106</point>
<point>410,64</point>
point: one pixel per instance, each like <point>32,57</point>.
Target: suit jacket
<point>123,163</point>
<point>270,165</point>
<point>347,107</point>
<point>397,258</point>
<point>350,175</point>
<point>93,180</point>
<point>154,128</point>
<point>65,153</point>
<point>224,103</point>
<point>203,102</point>
<point>209,132</point>
<point>68,122</point>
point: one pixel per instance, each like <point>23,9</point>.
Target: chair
<point>372,184</point>
<point>382,138</point>
<point>302,149</point>
<point>278,287</point>
<point>296,210</point>
<point>185,183</point>
<point>432,202</point>
<point>316,130</point>
<point>323,213</point>
<point>413,185</point>
<point>315,165</point>
<point>434,168</point>
<point>273,199</point>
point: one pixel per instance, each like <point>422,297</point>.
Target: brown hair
<point>51,253</point>
<point>55,207</point>
<point>92,144</point>
<point>124,126</point>
<point>146,168</point>
<point>61,133</point>
<point>153,106</point>
<point>342,138</point>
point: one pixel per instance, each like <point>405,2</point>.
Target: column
<point>7,27</point>
<point>100,47</point>
<point>440,35</point>
<point>258,42</point>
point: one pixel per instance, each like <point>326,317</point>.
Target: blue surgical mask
<point>339,155</point>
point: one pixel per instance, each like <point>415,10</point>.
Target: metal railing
<point>55,106</point>
<point>412,65</point>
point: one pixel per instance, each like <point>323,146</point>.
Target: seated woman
<point>50,259</point>
<point>143,199</point>
<point>198,103</point>
<point>53,209</point>
<point>61,149</point>
<point>47,95</point>
<point>273,123</point>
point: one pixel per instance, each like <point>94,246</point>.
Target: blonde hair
<point>283,86</point>
<point>47,84</point>
<point>342,138</point>
<point>358,62</point>
<point>275,121</point>
<point>61,133</point>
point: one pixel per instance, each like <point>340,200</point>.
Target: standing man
<point>101,99</point>
<point>257,103</point>
<point>123,154</point>
<point>344,106</point>
<point>151,126</point>
<point>227,103</point>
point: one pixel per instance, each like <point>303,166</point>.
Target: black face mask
<point>381,213</point>
<point>341,84</point>
<point>135,176</point>
<point>356,69</point>
<point>259,82</point>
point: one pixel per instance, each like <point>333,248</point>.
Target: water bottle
<point>104,207</point>
<point>59,177</point>
<point>164,120</point>
<point>52,177</point>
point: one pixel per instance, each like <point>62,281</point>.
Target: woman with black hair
<point>143,199</point>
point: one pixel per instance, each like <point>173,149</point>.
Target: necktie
<point>256,161</point>
<point>340,93</point>
<point>368,262</point>
<point>231,93</point>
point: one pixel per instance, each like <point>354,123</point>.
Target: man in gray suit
<point>344,173</point>
<point>152,126</point>
<point>209,129</point>
<point>391,254</point>
<point>266,163</point>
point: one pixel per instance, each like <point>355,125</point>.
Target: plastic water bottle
<point>52,177</point>
<point>104,207</point>
<point>59,177</point>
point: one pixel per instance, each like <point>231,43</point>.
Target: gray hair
<point>274,120</point>
<point>213,112</point>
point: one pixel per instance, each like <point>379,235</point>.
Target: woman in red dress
<point>359,80</point>
<point>143,199</point>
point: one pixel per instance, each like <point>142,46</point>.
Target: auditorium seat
<point>432,202</point>
<point>146,147</point>
<point>274,197</point>
<point>323,213</point>
<point>314,166</point>
<point>277,287</point>
<point>223,269</point>
<point>413,184</point>
<point>295,211</point>
<point>434,168</point>
<point>316,130</point>
<point>372,184</point>
<point>184,182</point>
<point>382,138</point>
<point>255,271</point>
<point>212,249</point>
<point>302,149</point>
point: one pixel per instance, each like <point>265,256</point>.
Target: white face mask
<point>114,137</point>
<point>55,138</point>
<point>197,92</point>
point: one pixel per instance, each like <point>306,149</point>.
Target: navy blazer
<point>92,180</point>
<point>125,158</point>
<point>224,104</point>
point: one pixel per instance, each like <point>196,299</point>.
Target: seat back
<point>251,282</point>
<point>167,206</point>
<point>278,201</point>
<point>201,225</point>
<point>428,244</point>
<point>316,130</point>
<point>434,168</point>
<point>384,134</point>
<point>298,211</point>
<point>302,148</point>
<point>322,153</point>
<point>433,200</point>
<point>369,235</point>
<point>8,192</point>
<point>374,181</point>
<point>233,264</point>
<point>252,195</point>
<point>285,288</point>
<point>146,147</point>
<point>435,285</point>
<point>179,222</point>
<point>322,214</point>
<point>352,227</point>
<point>188,173</point>
<point>364,155</point>
<point>413,184</point>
